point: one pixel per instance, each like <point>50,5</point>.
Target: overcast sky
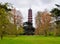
<point>36,5</point>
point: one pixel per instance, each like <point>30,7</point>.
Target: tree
<point>43,23</point>
<point>38,22</point>
<point>15,17</point>
<point>56,13</point>
<point>3,18</point>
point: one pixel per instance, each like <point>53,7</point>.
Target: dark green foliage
<point>56,12</point>
<point>5,6</point>
<point>28,28</point>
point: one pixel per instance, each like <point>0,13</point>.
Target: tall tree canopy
<point>56,13</point>
<point>3,17</point>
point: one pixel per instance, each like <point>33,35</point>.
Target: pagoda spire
<point>30,15</point>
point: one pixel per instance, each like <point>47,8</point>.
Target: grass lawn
<point>30,40</point>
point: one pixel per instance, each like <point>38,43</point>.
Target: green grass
<point>30,40</point>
